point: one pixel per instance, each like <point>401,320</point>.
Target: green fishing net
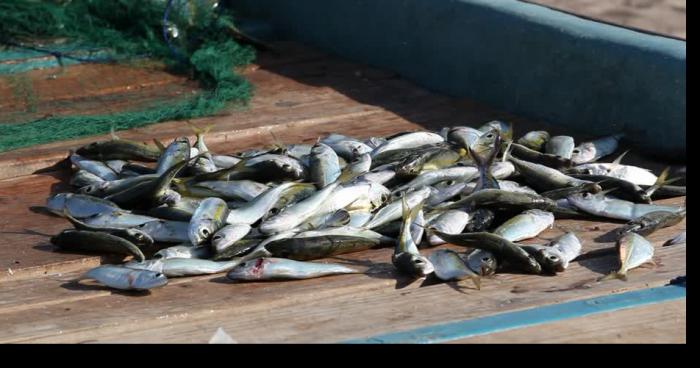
<point>189,37</point>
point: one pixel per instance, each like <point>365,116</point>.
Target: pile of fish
<point>264,214</point>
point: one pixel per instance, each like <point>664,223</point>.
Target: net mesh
<point>189,37</point>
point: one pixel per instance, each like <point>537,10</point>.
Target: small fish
<point>178,267</point>
<point>177,151</point>
<point>296,214</point>
<point>309,248</point>
<point>209,217</point>
<point>449,266</point>
<point>504,200</point>
<point>483,152</point>
<point>569,246</point>
<point>462,136</point>
<point>119,149</point>
<point>285,269</point>
<point>84,178</point>
<point>652,221</point>
<point>482,262</point>
<point>535,140</point>
<point>93,241</point>
<point>633,251</point>
<point>551,259</point>
<point>407,141</point>
<point>331,219</point>
<point>505,129</point>
<point>185,250</point>
<point>261,205</point>
<point>479,220</point>
<point>450,222</point>
<point>135,236</point>
<point>348,148</point>
<point>406,257</point>
<point>457,173</point>
<point>126,278</point>
<point>392,211</point>
<point>324,166</point>
<point>530,155</point>
<point>80,206</point>
<point>561,145</point>
<point>114,186</point>
<point>526,225</point>
<point>98,168</point>
<point>601,205</point>
<point>544,178</point>
<point>245,190</point>
<point>165,231</point>
<point>501,247</point>
<point>615,169</point>
<point>592,151</point>
<point>225,161</point>
<point>228,235</point>
<point>434,158</point>
<point>358,166</point>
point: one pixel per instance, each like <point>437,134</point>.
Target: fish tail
<point>159,144</point>
<point>619,158</point>
<point>476,279</point>
<point>113,134</point>
<point>614,275</point>
<point>660,182</point>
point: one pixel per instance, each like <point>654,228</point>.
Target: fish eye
<point>451,182</point>
<point>418,261</point>
<point>287,167</point>
<point>485,259</point>
<point>587,195</point>
<point>490,135</point>
<point>205,232</point>
<point>217,236</point>
<point>576,150</point>
<point>274,210</point>
<point>159,275</point>
<point>553,258</point>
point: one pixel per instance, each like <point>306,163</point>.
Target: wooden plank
<point>663,323</point>
<point>311,310</point>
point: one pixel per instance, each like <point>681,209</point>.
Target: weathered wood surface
<point>663,323</point>
<point>298,98</point>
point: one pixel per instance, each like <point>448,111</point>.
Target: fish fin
<point>506,152</point>
<point>76,223</point>
<point>113,134</point>
<point>614,275</point>
<point>476,279</point>
<point>606,191</point>
<point>660,182</point>
<point>160,145</point>
<point>277,143</point>
<point>619,158</point>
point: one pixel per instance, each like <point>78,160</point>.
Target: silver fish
<point>633,251</point>
<point>228,235</point>
<point>246,190</point>
<point>285,269</point>
<point>209,217</point>
<point>324,167</point>
<point>225,162</point>
<point>349,149</point>
<point>378,176</point>
<point>601,205</point>
<point>178,267</point>
<point>116,165</point>
<point>463,136</point>
<point>561,145</point>
<point>114,186</point>
<point>407,141</point>
<point>126,278</point>
<point>330,219</point>
<point>177,151</point>
<point>482,262</point>
<point>80,206</point>
<point>406,257</point>
<point>260,206</point>
<point>450,266</point>
<point>392,211</point>
<point>458,173</point>
<point>592,151</point>
<point>185,250</point>
<point>358,166</point>
<point>98,168</point>
<point>526,225</point>
<point>297,213</point>
<point>84,178</point>
<point>164,231</point>
<point>535,140</point>
<point>450,222</point>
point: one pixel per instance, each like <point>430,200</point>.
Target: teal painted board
<point>528,317</point>
<point>530,60</point>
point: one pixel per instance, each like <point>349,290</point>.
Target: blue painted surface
<point>530,60</point>
<point>529,317</point>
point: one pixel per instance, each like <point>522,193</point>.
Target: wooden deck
<point>298,97</point>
